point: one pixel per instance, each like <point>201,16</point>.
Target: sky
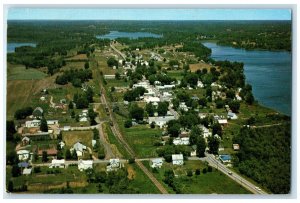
<point>18,13</point>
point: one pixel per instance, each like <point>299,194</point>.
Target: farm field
<point>19,72</point>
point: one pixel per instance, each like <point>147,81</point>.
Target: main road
<point>234,176</point>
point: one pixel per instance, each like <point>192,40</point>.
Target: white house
<point>114,164</point>
<point>55,163</point>
<point>42,98</point>
<point>181,141</point>
<point>27,171</point>
<point>160,120</point>
<point>94,142</point>
<point>177,159</point>
<point>222,121</point>
<point>23,155</point>
<point>152,99</point>
<point>61,144</point>
<point>156,163</point>
<point>232,116</point>
<point>52,122</point>
<point>85,164</point>
<point>83,119</point>
<point>200,84</point>
<point>183,106</point>
<point>79,148</point>
<point>205,131</point>
<point>33,123</point>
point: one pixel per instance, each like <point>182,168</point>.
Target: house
<point>114,164</point>
<point>160,120</point>
<point>85,164</point>
<point>33,124</point>
<point>109,76</point>
<point>79,148</point>
<point>177,159</point>
<point>152,99</point>
<point>25,141</point>
<point>222,121</point>
<point>156,163</point>
<point>236,147</point>
<point>27,171</point>
<point>94,142</point>
<point>181,141</point>
<point>183,106</point>
<point>55,163</point>
<point>83,119</point>
<point>52,122</point>
<point>194,151</point>
<point>23,155</point>
<point>38,112</point>
<point>205,131</point>
<point>200,84</point>
<point>67,128</point>
<point>232,116</point>
<point>61,144</point>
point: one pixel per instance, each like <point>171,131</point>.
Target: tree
<point>197,172</point>
<point>217,129</point>
<point>202,102</point>
<point>196,132</point>
<point>15,171</point>
<point>213,144</point>
<point>44,156</point>
<point>74,154</point>
<point>10,187</point>
<point>136,112</point>
<point>112,89</point>
<point>112,62</point>
<point>131,160</point>
<point>209,169</point>
<point>201,146</point>
<point>71,105</point>
<point>68,155</point>
<point>89,95</point>
<point>234,106</point>
<point>150,109</point>
<point>249,98</point>
<point>152,125</point>
<point>92,115</point>
<point>162,108</point>
<point>127,123</point>
<point>117,76</point>
<point>86,65</point>
<point>44,125</point>
<point>173,128</point>
<point>73,114</point>
<point>189,173</point>
<point>10,130</point>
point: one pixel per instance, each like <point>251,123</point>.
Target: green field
<point>19,72</point>
<point>71,137</point>
<point>141,138</point>
<point>213,182</point>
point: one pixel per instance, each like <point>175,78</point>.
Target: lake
<point>269,73</point>
<point>130,35</point>
<point>12,45</point>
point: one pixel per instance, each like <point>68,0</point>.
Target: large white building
<point>85,164</point>
<point>177,159</point>
<point>33,123</point>
<point>161,120</point>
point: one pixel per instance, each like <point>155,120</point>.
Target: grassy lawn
<point>208,183</point>
<point>178,74</point>
<point>141,138</point>
<point>71,137</point>
<point>19,72</point>
<point>141,181</point>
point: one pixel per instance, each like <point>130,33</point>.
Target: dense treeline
<point>265,156</point>
<point>76,77</point>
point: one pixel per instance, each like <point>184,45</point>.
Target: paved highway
<point>234,176</point>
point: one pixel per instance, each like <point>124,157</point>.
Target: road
<point>234,176</point>
<point>116,50</point>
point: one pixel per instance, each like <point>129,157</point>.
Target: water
<point>131,35</point>
<point>11,46</point>
<point>269,73</point>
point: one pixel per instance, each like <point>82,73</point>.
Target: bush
<point>189,173</point>
<point>197,172</point>
<point>128,124</point>
<point>131,160</point>
<point>204,171</point>
<point>152,125</point>
<point>209,169</point>
<point>37,169</point>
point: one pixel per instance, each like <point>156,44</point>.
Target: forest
<point>265,156</point>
